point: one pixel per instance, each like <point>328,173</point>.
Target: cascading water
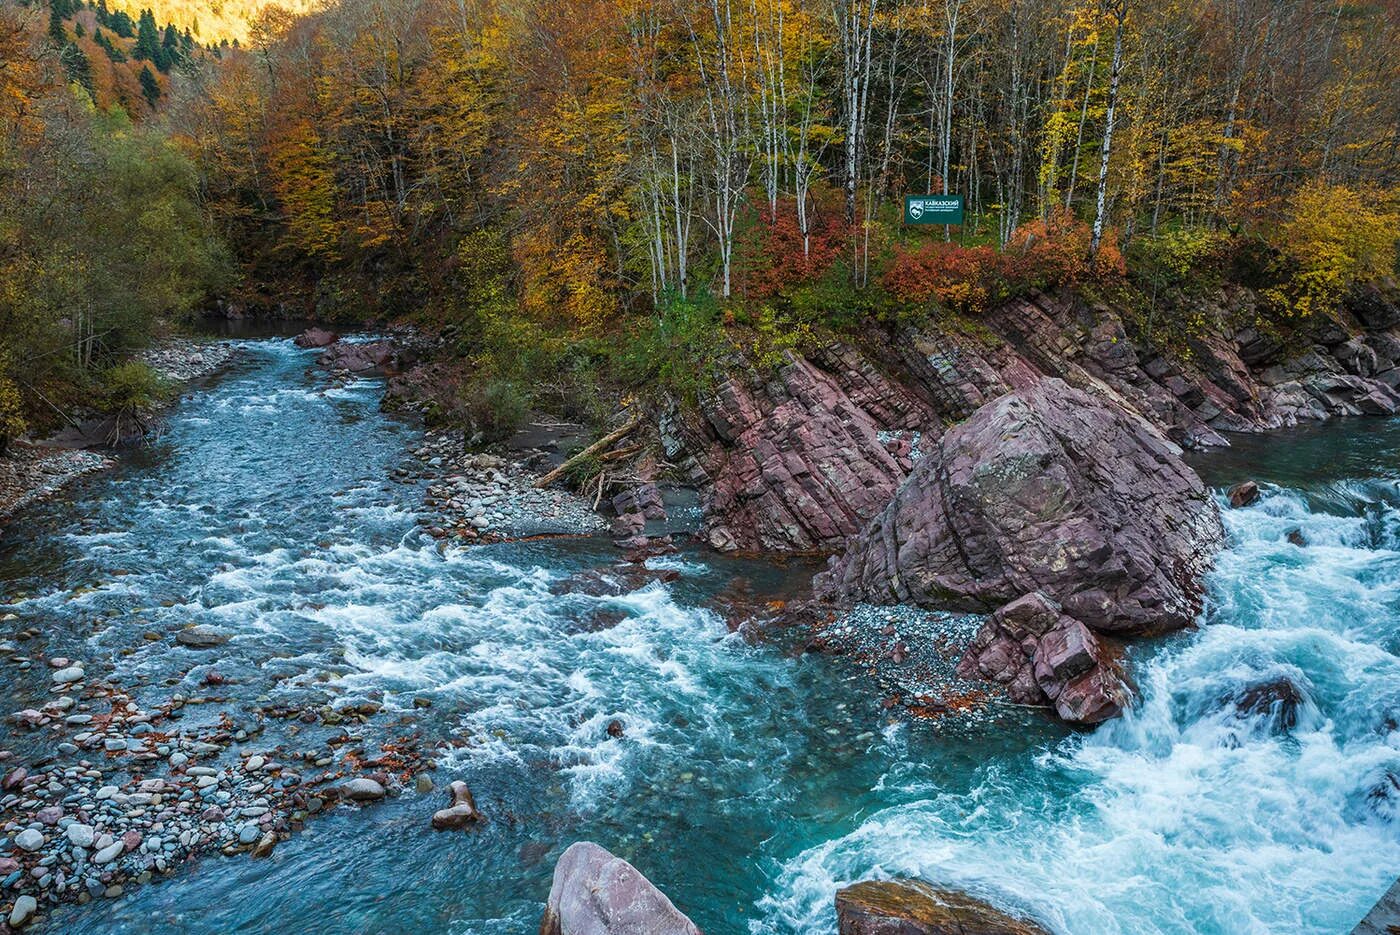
<point>1253,790</point>
<point>1247,793</point>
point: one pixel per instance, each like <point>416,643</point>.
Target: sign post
<point>933,209</point>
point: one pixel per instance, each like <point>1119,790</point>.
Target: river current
<point>751,780</point>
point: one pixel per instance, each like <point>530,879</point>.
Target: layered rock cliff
<point>800,460</point>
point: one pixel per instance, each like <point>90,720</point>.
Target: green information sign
<point>933,209</point>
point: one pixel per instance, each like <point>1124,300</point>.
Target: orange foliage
<point>773,256</point>
<point>1039,255</point>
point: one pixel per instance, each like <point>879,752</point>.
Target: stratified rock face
<point>595,893</point>
<point>1048,489</point>
<point>915,908</point>
<point>801,460</point>
<point>797,463</point>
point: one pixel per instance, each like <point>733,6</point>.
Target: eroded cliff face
<point>801,460</point>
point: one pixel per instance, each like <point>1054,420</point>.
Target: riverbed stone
<point>362,789</point>
<point>81,835</point>
<point>461,812</point>
<point>201,636</point>
<point>913,907</point>
<point>109,853</point>
<point>23,910</point>
<point>596,893</point>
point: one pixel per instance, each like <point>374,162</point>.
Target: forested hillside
<point>101,231</point>
<point>598,188</point>
<point>550,174</point>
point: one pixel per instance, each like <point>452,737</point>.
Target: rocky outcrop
<point>912,907</point>
<point>364,357</point>
<point>316,337</point>
<point>801,459</point>
<point>796,462</point>
<point>595,893</point>
<point>1044,657</point>
<point>1048,489</point>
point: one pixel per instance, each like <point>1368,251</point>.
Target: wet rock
<point>29,840</point>
<point>916,908</point>
<point>23,910</point>
<point>615,729</point>
<point>1047,489</point>
<point>315,337</point>
<point>265,845</point>
<point>368,357</point>
<point>1045,657</point>
<point>1243,494</point>
<point>201,636</point>
<point>1274,703</point>
<point>14,779</point>
<point>1295,537</point>
<point>461,812</point>
<point>362,789</point>
<point>595,893</point>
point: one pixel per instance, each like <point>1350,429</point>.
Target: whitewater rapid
<point>1198,812</point>
<point>750,780</point>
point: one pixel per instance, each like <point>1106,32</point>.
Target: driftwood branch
<point>601,444</point>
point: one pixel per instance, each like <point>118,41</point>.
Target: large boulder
<point>366,357</point>
<point>315,337</point>
<point>912,907</point>
<point>1047,489</point>
<point>595,893</point>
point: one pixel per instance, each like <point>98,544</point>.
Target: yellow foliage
<point>1336,236</point>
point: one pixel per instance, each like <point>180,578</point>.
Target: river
<point>751,780</point>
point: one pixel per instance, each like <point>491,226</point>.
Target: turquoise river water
<point>752,781</point>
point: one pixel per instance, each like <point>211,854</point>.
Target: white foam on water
<point>1193,813</point>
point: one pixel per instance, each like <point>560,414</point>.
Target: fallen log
<point>601,444</point>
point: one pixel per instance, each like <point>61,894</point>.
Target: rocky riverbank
<point>33,471</point>
<point>118,793</point>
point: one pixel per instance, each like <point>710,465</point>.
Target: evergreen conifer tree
<point>150,87</point>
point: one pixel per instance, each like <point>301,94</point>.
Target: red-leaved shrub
<point>771,258</point>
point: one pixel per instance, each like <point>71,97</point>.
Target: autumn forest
<point>619,188</point>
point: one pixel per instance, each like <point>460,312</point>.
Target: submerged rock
<point>201,637</point>
<point>1243,494</point>
<point>913,907</point>
<point>595,893</point>
<point>1048,489</point>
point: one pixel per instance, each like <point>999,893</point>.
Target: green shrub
<point>131,389</point>
<point>495,409</point>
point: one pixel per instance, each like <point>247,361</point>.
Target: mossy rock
<point>913,907</point>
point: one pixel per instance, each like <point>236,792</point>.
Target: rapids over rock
<point>1254,786</point>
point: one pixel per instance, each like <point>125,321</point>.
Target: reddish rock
<point>1047,489</point>
<point>367,357</point>
<point>1243,494</point>
<point>595,893</point>
<point>915,908</point>
<point>1044,657</point>
<point>316,337</point>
